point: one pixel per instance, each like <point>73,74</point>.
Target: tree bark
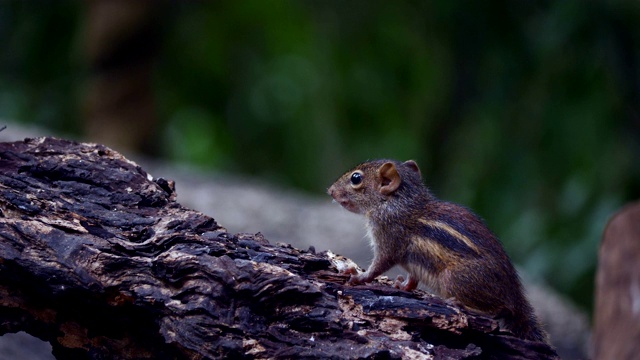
<point>98,258</point>
<point>616,327</point>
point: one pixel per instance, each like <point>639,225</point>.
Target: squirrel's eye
<point>356,178</point>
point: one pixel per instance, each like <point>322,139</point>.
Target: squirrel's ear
<point>389,178</point>
<point>413,166</point>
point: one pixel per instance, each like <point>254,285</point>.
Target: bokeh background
<point>526,111</point>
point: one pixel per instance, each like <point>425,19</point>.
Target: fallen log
<point>98,258</point>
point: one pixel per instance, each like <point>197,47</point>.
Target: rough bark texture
<point>97,258</point>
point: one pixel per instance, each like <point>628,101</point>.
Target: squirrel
<point>441,244</point>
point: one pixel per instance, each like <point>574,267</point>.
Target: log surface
<point>97,258</point>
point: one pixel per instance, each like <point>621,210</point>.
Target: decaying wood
<point>97,258</point>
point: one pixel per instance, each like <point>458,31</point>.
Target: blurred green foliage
<point>526,111</point>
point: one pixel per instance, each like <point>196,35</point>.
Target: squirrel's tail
<point>526,325</point>
<point>529,330</point>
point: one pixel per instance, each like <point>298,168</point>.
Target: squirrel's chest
<point>387,236</point>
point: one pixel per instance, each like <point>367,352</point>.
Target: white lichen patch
<point>252,347</point>
<point>272,269</point>
<point>342,263</point>
<point>349,307</point>
<point>176,256</point>
<point>409,353</point>
<point>354,313</point>
<point>73,225</point>
<point>394,328</point>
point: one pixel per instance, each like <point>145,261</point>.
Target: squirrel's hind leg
<point>407,285</point>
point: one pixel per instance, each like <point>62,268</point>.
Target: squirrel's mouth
<point>345,203</point>
<point>342,199</point>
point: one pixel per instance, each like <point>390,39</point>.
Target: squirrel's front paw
<point>356,279</point>
<point>350,271</point>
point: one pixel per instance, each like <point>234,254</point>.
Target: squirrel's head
<point>371,184</point>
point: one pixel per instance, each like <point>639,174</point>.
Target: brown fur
<point>442,245</point>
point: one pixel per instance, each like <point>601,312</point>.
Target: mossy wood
<point>97,258</point>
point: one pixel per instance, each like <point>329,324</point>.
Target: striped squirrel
<point>443,245</point>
